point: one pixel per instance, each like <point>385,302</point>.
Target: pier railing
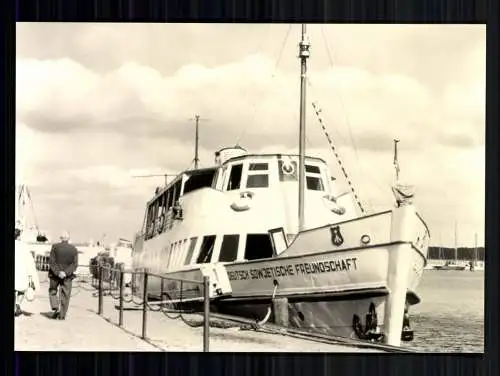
<point>111,281</point>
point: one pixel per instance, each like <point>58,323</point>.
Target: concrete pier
<point>84,330</point>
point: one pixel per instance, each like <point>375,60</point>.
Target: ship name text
<point>341,265</point>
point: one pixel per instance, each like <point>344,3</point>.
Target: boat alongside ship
<point>282,241</point>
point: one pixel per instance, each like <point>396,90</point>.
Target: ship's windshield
<point>229,248</point>
<point>206,249</point>
<point>199,180</point>
<point>314,181</point>
<point>258,175</point>
<point>235,177</point>
<point>258,246</point>
<point>189,255</point>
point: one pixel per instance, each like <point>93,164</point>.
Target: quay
<point>85,330</point>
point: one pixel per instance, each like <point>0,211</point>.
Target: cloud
<point>87,123</point>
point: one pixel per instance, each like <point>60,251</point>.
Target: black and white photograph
<point>250,187</point>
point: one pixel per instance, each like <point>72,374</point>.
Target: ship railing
<point>174,296</point>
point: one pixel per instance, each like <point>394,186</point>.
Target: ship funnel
<point>224,154</point>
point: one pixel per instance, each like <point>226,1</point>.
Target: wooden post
<point>145,305</point>
<point>120,315</point>
<point>99,309</point>
<point>206,313</point>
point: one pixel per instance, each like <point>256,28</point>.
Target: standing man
<point>63,262</point>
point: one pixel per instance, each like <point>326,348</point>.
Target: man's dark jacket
<point>63,257</point>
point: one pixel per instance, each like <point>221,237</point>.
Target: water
<point>450,317</point>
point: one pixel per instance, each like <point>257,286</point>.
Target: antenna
<point>154,175</point>
<point>197,119</point>
<point>396,162</point>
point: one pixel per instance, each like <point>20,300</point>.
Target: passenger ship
<point>280,241</point>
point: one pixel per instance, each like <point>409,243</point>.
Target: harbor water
<point>450,317</point>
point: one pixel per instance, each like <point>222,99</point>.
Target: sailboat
<point>34,239</point>
<point>452,265</point>
<point>281,242</point>
<point>476,265</point>
<point>30,231</point>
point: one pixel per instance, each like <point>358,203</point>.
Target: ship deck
<point>91,332</point>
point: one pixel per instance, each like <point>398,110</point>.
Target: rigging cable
<point>278,59</point>
<point>344,110</point>
<point>317,110</point>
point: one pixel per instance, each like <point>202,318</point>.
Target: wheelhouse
<point>259,174</point>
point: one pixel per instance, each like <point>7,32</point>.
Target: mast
<point>475,247</point>
<point>440,249</point>
<point>196,159</point>
<point>303,56</point>
<point>396,162</point>
<point>456,248</point>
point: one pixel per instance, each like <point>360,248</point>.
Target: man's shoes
<point>55,315</point>
<point>18,311</point>
<point>61,317</point>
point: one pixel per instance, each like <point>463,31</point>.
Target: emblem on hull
<point>337,238</point>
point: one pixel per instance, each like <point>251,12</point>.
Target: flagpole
<point>396,162</point>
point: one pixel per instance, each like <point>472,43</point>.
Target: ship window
<point>177,191</point>
<point>151,221</point>
<point>189,255</point>
<point>206,249</point>
<point>258,181</point>
<point>199,180</point>
<point>169,255</point>
<point>229,248</point>
<point>258,167</point>
<point>314,183</point>
<point>313,169</point>
<point>258,246</point>
<point>235,177</point>
<point>165,201</point>
<point>170,200</point>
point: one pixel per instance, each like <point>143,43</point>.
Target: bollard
<point>99,309</point>
<point>122,279</point>
<point>280,309</point>
<point>206,313</point>
<point>145,305</point>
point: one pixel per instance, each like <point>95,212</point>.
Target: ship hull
<point>327,290</point>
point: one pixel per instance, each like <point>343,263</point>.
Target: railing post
<point>206,313</point>
<point>162,292</point>
<point>145,305</point>
<point>122,282</point>
<point>99,309</point>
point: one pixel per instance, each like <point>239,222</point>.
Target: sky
<point>97,104</point>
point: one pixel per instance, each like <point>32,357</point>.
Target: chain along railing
<point>111,281</point>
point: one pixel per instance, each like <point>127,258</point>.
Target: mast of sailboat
<point>456,248</point>
<point>440,250</point>
<point>475,247</point>
<point>303,56</point>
